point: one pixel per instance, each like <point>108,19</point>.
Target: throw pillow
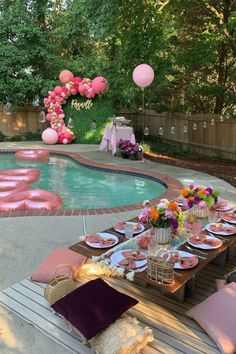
<point>93,306</point>
<point>217,316</point>
<point>125,335</point>
<point>57,263</point>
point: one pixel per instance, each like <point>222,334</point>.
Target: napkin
<point>98,239</point>
<point>222,228</point>
<point>230,216</point>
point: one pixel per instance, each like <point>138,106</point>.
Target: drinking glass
<point>213,215</point>
<point>129,230</point>
<point>153,248</point>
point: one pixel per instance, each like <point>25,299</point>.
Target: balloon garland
<point>59,95</point>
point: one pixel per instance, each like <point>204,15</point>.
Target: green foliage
<point>190,44</point>
<point>29,136</point>
<point>100,111</point>
<point>2,136</point>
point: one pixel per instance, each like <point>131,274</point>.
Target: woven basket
<point>160,270</point>
<point>60,286</point>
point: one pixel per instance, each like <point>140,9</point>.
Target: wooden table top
<point>181,276</point>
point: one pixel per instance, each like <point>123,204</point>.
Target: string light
<point>228,115</point>
<point>8,108</point>
<point>70,123</point>
<point>94,125</point>
<point>194,126</point>
<point>185,128</point>
<point>146,131</point>
<point>172,130</point>
<point>160,131</point>
<point>42,117</point>
<point>204,124</point>
<point>221,118</point>
<point>212,121</point>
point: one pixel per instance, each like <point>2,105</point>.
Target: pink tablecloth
<point>113,134</point>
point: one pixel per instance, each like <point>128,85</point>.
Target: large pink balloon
<point>65,76</point>
<point>99,84</point>
<point>49,136</point>
<point>143,75</point>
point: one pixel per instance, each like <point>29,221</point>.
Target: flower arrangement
<point>126,147</point>
<point>164,214</point>
<point>201,196</point>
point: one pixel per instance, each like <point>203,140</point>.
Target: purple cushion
<point>93,306</point>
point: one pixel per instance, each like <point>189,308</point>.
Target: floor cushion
<point>57,263</point>
<point>93,306</point>
<point>123,336</point>
<point>217,316</point>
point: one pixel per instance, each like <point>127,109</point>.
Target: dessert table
<point>112,135</point>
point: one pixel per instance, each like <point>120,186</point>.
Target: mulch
<point>225,170</point>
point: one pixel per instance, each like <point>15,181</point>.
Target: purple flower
<point>197,199</point>
<point>190,203</point>
<point>174,223</point>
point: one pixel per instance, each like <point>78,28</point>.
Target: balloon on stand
<point>99,84</point>
<point>65,76</point>
<point>143,75</point>
<point>49,136</point>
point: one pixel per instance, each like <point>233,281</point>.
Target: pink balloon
<point>65,76</point>
<point>99,84</point>
<point>49,136</point>
<point>58,90</point>
<point>143,75</point>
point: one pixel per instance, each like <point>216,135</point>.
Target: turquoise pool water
<point>84,188</point>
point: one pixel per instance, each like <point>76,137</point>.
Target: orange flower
<point>173,206</point>
<point>190,199</point>
<point>154,215</point>
<point>184,192</point>
<point>200,192</point>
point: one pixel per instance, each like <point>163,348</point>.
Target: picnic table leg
<point>222,258</point>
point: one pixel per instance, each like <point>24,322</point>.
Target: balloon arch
<point>59,132</point>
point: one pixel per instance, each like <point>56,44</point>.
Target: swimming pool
<point>84,188</point>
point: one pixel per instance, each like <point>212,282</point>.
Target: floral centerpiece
<point>164,215</point>
<point>128,150</point>
<point>200,198</point>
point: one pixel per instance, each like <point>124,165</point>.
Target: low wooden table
<point>184,279</point>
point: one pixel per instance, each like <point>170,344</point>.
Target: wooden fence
<point>206,134</point>
<point>21,121</point>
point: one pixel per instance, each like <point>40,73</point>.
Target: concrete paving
<point>25,242</point>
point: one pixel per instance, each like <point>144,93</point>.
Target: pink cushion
<point>52,265</point>
<point>217,316</point>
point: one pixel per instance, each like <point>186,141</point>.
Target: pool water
<point>83,188</point>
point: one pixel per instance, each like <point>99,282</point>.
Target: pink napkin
<point>98,239</point>
<point>229,216</point>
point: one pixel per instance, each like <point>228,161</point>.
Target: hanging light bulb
<point>146,131</point>
<point>172,130</point>
<point>160,131</point>
<point>8,108</point>
<point>228,115</point>
<point>204,124</point>
<point>194,126</point>
<point>221,118</point>
<point>185,128</point>
<point>212,121</point>
<point>42,117</point>
<point>94,125</point>
<point>234,113</point>
<point>35,102</point>
<point>70,123</point>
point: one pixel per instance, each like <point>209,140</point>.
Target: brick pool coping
<point>172,184</point>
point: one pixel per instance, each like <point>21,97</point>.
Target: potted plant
<point>128,150</point>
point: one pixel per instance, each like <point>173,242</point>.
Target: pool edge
<point>172,184</point>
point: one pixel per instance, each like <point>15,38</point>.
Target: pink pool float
<point>28,175</point>
<point>32,155</point>
<point>31,199</point>
<point>9,187</point>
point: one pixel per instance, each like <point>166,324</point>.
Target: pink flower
<point>202,204</point>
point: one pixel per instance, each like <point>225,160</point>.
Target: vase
<point>199,212</point>
<point>161,235</point>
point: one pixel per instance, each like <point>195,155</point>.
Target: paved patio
<point>26,241</point>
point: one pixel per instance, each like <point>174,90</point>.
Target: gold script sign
<point>78,105</point>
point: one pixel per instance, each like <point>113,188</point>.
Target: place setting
<point>101,240</point>
<point>129,228</point>
<point>229,217</point>
<point>221,229</point>
<point>130,259</point>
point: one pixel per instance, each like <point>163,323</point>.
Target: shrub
<point>2,136</point>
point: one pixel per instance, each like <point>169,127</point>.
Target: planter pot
<point>124,155</point>
<point>200,213</point>
<point>161,235</point>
